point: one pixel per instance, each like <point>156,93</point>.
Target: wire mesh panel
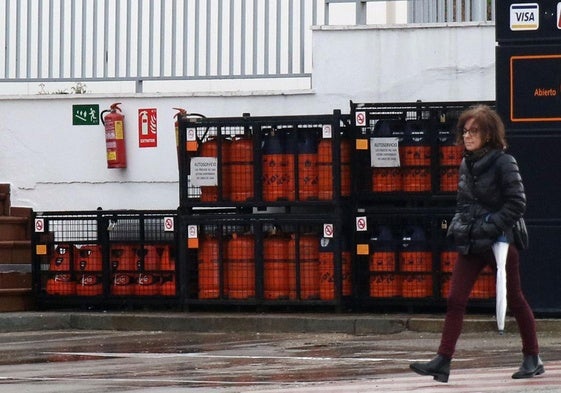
<point>405,255</point>
<point>98,256</point>
<point>264,160</point>
<point>409,148</point>
<point>266,259</point>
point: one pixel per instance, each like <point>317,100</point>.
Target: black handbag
<point>520,234</point>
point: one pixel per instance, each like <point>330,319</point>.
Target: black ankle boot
<point>439,368</point>
<point>531,365</point>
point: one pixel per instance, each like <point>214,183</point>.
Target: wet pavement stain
<point>150,361</point>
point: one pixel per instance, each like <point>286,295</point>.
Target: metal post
<point>360,12</point>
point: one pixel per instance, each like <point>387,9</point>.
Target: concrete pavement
<point>156,352</point>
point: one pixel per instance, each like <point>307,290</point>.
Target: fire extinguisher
<point>180,113</point>
<point>192,118</point>
<point>115,136</point>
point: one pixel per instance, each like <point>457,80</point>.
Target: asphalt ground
<point>259,353</point>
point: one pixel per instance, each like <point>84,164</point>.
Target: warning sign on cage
<point>384,152</point>
<point>361,224</point>
<point>169,225</point>
<point>360,119</point>
<point>204,171</point>
<point>328,230</point>
<point>39,225</point>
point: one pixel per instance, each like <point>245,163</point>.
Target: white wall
<point>53,165</point>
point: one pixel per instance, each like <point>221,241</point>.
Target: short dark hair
<point>490,126</point>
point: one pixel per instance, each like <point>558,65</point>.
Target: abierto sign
<point>535,88</point>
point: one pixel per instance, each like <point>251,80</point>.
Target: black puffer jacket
<point>490,200</point>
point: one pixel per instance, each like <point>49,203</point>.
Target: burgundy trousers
<point>464,275</point>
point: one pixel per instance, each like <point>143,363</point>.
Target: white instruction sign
<point>384,152</point>
<point>204,171</point>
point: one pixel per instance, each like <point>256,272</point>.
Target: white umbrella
<point>500,249</point>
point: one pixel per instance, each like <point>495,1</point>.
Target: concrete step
<point>4,199</point>
<point>15,252</point>
<point>16,282</point>
<point>15,276</point>
<point>16,299</point>
<point>14,228</point>
<point>15,255</point>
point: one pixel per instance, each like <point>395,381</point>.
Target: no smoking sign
<point>328,230</point>
<point>360,119</point>
<point>361,224</point>
<point>168,224</point>
<point>39,225</point>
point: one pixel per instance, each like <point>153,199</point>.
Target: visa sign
<point>524,16</point>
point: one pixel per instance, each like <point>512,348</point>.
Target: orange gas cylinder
<point>61,284</point>
<point>417,286</point>
<point>169,286</point>
<point>308,187</point>
<point>383,257</point>
<point>88,261</point>
<point>290,151</point>
<point>484,287</point>
<point>88,258</point>
<point>308,263</point>
<point>148,258</point>
<point>278,167</point>
<point>240,267</point>
<point>447,260</point>
<point>449,177</point>
<point>325,168</point>
<point>387,179</point>
<point>327,275</point>
<point>416,144</point>
<point>223,176</point>
<point>147,284</point>
<point>275,266</point>
<point>415,254</point>
<point>382,261</point>
<point>167,258</point>
<point>89,285</point>
<point>415,261</point>
<point>122,259</point>
<point>416,179</point>
<point>209,268</point>
<point>148,264</point>
<point>450,155</point>
<point>238,169</point>
<point>445,286</point>
<point>385,285</point>
<point>61,259</point>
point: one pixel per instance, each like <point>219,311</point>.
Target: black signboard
<point>529,86</point>
<point>526,21</point>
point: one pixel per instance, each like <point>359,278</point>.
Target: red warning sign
<point>147,127</point>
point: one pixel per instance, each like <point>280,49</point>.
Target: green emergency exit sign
<point>85,115</point>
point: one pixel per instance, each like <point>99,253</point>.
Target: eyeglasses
<point>471,132</point>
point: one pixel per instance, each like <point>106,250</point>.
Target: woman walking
<point>490,201</point>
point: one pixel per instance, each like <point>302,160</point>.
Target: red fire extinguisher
<point>115,136</point>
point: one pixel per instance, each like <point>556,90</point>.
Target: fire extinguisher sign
<point>147,127</point>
